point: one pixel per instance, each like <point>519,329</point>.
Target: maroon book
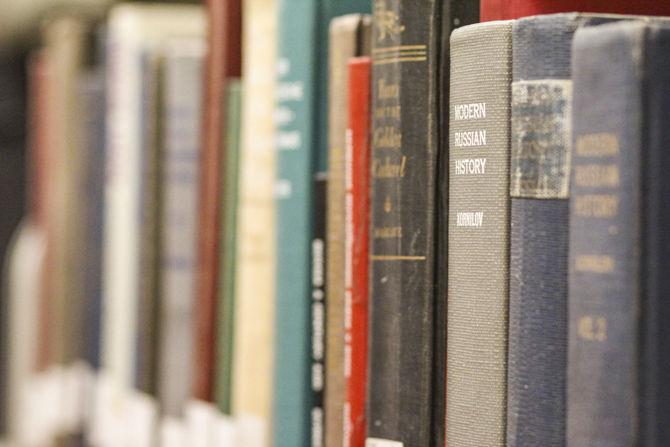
<point>223,62</point>
<point>514,9</point>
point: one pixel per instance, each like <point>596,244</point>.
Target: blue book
<point>539,178</point>
<point>619,339</point>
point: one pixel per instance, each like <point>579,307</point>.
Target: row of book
<point>387,225</point>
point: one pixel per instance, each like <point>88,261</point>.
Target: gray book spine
<point>479,151</point>
<point>182,71</point>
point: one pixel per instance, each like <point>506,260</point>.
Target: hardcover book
<point>255,254</point>
<point>479,151</point>
<point>349,36</point>
<point>356,225</point>
<point>619,255</point>
<point>407,84</point>
<point>227,299</point>
<point>182,112</point>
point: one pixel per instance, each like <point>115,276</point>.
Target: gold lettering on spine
<point>594,264</point>
<point>597,205</point>
<point>597,145</point>
<point>592,328</point>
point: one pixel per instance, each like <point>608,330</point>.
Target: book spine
<point>346,34</point>
<point>539,177</point>
<point>357,219</point>
<point>93,96</point>
<point>319,311</point>
<point>405,61</point>
<point>295,143</point>
<point>455,13</point>
<point>149,214</point>
<point>605,306</point>
<point>229,231</point>
<point>479,151</point>
<point>181,149</point>
<point>223,61</point>
<point>256,261</point>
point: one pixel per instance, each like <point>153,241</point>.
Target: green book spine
<point>296,137</point>
<point>226,317</point>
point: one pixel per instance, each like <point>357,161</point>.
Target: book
<point>146,352</point>
<point>349,36</point>
<point>182,112</point>
<point>223,61</point>
<point>479,152</point>
<point>406,85</point>
<point>618,254</point>
<point>455,13</point>
<point>255,254</point>
<point>539,188</point>
<point>514,9</point>
<point>132,31</point>
<point>357,219</point>
<point>229,231</point>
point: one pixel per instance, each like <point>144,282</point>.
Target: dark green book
<point>226,309</point>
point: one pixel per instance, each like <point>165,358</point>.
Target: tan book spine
<point>346,41</point>
<point>255,257</point>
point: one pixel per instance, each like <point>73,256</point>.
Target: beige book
<point>253,339</point>
<point>349,37</point>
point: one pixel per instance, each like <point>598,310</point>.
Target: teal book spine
<point>302,151</point>
<point>295,141</point>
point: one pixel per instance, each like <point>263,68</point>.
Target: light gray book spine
<point>182,96</point>
<point>479,151</point>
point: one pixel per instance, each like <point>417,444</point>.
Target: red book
<point>514,9</point>
<point>223,62</point>
<point>357,210</point>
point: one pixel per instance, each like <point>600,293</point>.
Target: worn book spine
<point>539,178</point>
<point>150,213</point>
<point>405,63</point>
<point>223,61</point>
<point>357,219</point>
<point>229,232</point>
<point>256,261</point>
<point>514,9</point>
<point>347,38</point>
<point>295,139</point>
<point>619,259</point>
<point>182,114</point>
<point>455,13</point>
<point>479,151</point>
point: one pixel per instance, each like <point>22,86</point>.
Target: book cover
<point>479,153</point>
<point>229,232</point>
<point>514,9</point>
<point>356,225</point>
<point>223,61</point>
<point>349,36</point>
<point>182,112</point>
<point>405,143</point>
<point>618,256</point>
<point>255,254</point>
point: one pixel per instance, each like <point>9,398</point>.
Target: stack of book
<point>344,223</point>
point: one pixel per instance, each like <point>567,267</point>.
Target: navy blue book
<point>619,337</point>
<point>539,178</point>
